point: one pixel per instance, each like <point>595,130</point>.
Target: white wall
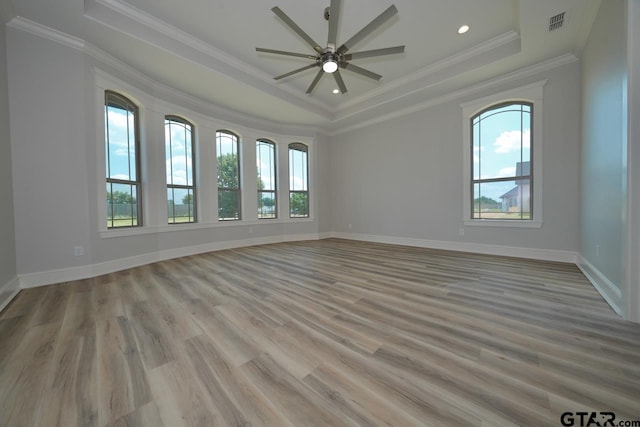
<point>8,282</point>
<point>402,178</point>
<point>57,147</point>
<point>632,277</point>
<point>604,145</point>
<point>48,148</point>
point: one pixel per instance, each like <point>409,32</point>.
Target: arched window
<point>122,148</point>
<point>502,162</point>
<point>298,180</point>
<point>227,149</point>
<point>181,188</point>
<point>266,167</point>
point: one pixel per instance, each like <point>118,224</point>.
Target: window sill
<point>513,223</point>
<point>139,231</point>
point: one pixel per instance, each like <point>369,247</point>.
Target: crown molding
<point>462,93</point>
<point>427,72</point>
<point>29,26</point>
<point>138,79</point>
<point>129,20</point>
<point>416,84</point>
<point>125,18</point>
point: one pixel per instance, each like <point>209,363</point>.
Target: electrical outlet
<point>460,231</point>
<point>597,250</point>
<point>349,226</point>
<point>78,250</point>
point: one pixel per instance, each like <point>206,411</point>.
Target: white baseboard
<point>609,291</point>
<point>8,291</point>
<point>480,248</point>
<point>32,280</point>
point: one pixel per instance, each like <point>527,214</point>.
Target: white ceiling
<point>206,48</point>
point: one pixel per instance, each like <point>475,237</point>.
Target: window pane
<point>120,143</point>
<point>180,206</point>
<point>178,147</point>
<point>477,149</point>
<point>121,161</point>
<point>501,148</point>
<point>228,176</point>
<point>266,170</point>
<point>179,167</point>
<point>298,204</point>
<point>122,205</point>
<point>265,162</point>
<point>298,167</point>
<point>267,204</point>
<point>298,180</point>
<point>501,139</point>
<point>228,204</point>
<point>502,200</point>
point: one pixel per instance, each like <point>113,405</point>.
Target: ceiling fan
<point>330,59</point>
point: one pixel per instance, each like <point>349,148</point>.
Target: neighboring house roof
<point>522,169</point>
<point>511,193</point>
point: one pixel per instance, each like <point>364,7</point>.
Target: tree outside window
<point>228,176</point>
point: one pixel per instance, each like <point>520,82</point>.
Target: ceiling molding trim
<point>466,56</point>
<point>146,84</point>
<point>45,32</point>
<point>437,76</point>
<point>172,96</point>
<point>151,30</point>
<point>462,93</point>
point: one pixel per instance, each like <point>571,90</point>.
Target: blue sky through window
<point>501,140</point>
<point>121,147</point>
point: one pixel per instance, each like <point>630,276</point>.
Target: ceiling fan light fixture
<point>330,65</point>
<point>331,59</point>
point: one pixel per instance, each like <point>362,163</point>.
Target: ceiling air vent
<point>556,21</point>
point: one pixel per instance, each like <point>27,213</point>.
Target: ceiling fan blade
<point>361,71</point>
<point>297,29</point>
<point>369,28</point>
<point>340,82</point>
<point>334,13</point>
<point>374,52</point>
<point>290,73</point>
<point>315,81</point>
<point>282,52</point>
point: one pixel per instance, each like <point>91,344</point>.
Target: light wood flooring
<point>320,333</point>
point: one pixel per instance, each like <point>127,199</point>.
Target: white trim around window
<point>530,93</point>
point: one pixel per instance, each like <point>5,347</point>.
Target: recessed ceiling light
<point>463,29</point>
<point>336,91</point>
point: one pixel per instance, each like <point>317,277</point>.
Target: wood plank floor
<point>321,333</point>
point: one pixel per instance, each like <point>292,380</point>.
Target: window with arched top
<point>298,180</point>
<point>122,155</point>
<point>179,142</point>
<point>502,173</point>
<point>228,156</point>
<point>267,185</point>
<point>502,157</point>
